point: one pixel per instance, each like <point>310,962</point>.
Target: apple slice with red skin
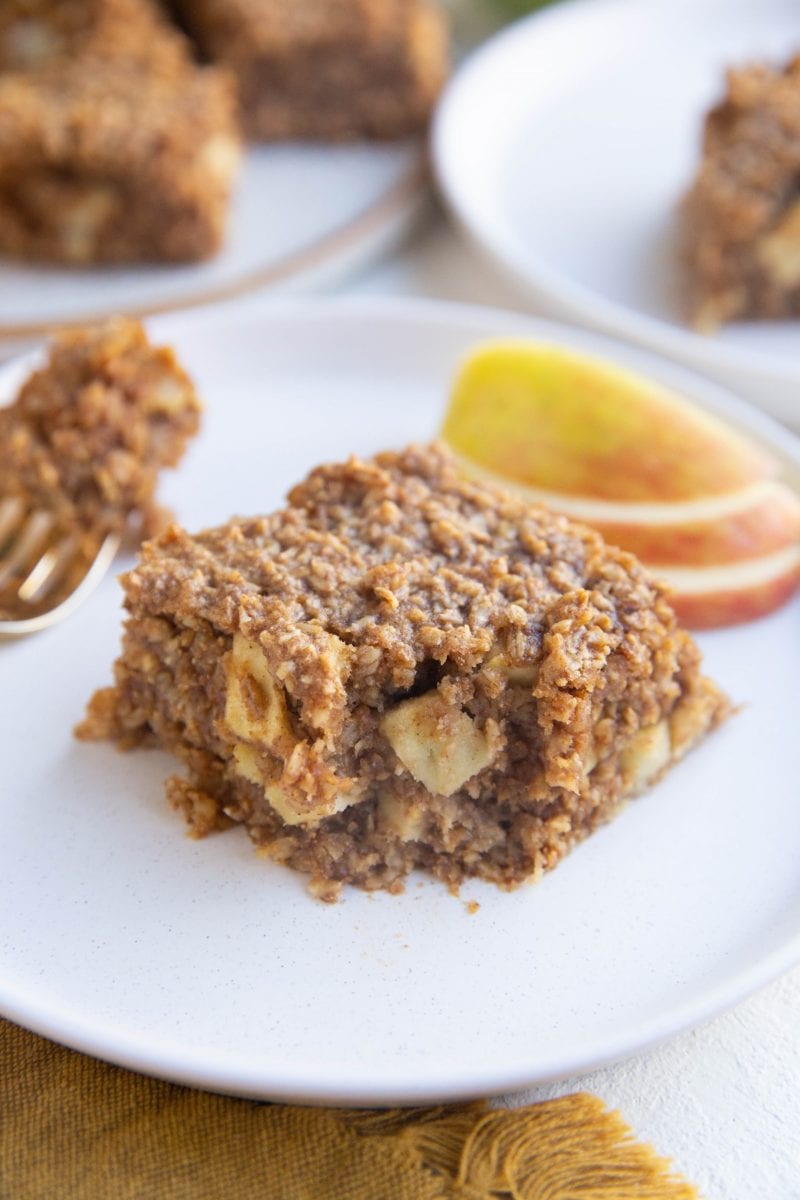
<point>697,502</point>
<point>769,523</point>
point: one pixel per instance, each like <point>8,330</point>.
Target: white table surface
<point>722,1101</point>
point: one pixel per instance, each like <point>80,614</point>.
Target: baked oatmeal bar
<point>742,215</point>
<point>326,69</point>
<point>403,668</point>
<point>88,433</point>
<point>40,34</point>
<point>109,164</point>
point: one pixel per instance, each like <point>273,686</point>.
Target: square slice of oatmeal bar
<point>403,668</point>
<point>327,68</point>
<point>104,163</point>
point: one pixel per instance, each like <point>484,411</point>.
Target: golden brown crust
<point>404,668</point>
<point>741,217</point>
<point>327,68</point>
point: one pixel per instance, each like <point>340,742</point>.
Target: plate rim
<point>151,1057</point>
<point>575,300</point>
<point>188,1070</point>
<point>708,392</point>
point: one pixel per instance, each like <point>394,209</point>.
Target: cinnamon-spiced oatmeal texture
<point>40,34</point>
<point>329,69</point>
<point>741,218</point>
<point>89,432</point>
<point>403,668</point>
<point>115,146</point>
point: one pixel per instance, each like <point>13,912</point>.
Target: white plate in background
<point>565,143</point>
<point>300,214</point>
<point>200,962</point>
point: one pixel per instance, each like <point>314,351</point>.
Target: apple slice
<point>765,521</point>
<point>559,420</point>
<point>691,497</point>
<point>710,597</point>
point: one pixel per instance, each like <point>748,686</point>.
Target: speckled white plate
<point>565,143</point>
<point>199,962</point>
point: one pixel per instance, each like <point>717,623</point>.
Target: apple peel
<point>769,525</point>
<point>695,500</point>
<point>601,432</point>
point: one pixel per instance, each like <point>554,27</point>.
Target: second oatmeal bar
<point>328,69</point>
<point>401,669</point>
<point>109,164</point>
<point>741,216</point>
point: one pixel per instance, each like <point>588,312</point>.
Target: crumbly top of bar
<point>89,432</point>
<point>39,34</point>
<point>105,118</point>
<point>400,561</point>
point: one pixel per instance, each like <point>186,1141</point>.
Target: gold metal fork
<point>46,571</point>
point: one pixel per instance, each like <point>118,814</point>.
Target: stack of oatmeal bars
<point>117,144</point>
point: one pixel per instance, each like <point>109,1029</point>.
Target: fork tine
<point>12,511</point>
<point>74,595</point>
<point>49,569</point>
<point>22,551</point>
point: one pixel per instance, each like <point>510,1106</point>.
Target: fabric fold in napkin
<point>75,1128</point>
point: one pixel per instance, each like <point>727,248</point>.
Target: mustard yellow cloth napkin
<point>74,1128</point>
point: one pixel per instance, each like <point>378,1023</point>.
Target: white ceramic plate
<point>199,962</point>
<point>565,143</point>
<point>300,213</point>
